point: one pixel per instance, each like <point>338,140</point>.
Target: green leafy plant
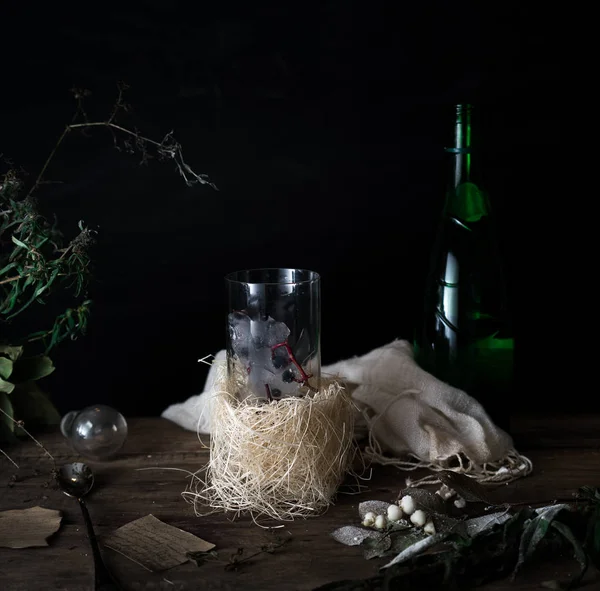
<point>469,551</point>
<point>19,393</point>
<point>37,263</point>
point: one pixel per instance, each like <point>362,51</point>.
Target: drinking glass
<point>273,332</point>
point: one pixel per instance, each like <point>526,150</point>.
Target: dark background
<point>321,123</point>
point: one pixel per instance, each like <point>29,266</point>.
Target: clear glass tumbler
<point>273,332</point>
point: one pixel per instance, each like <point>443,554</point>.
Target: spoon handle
<point>104,581</point>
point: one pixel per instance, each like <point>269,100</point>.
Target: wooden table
<point>565,452</point>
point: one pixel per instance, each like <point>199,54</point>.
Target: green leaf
<point>28,281</point>
<point>19,243</point>
<point>589,493</point>
<point>9,304</point>
<point>597,535</point>
<point>32,368</point>
<point>592,537</point>
<point>6,367</point>
<point>7,407</point>
<point>39,291</point>
<point>35,295</point>
<point>33,406</point>
<point>12,352</point>
<point>6,387</point>
<point>70,320</point>
<point>580,554</point>
<point>42,241</point>
<point>55,337</point>
<point>43,288</point>
<point>535,531</point>
<point>7,268</point>
<point>36,335</point>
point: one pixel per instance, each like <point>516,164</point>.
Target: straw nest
<point>283,459</point>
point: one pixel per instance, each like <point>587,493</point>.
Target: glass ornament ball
<point>97,432</point>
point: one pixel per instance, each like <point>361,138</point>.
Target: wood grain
<point>152,471</point>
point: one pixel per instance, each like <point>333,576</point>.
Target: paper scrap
<point>154,544</point>
<point>28,528</point>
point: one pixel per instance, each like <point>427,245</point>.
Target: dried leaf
<point>444,523</point>
<point>400,525</point>
<point>27,528</point>
<point>417,548</point>
<point>199,558</point>
<point>376,547</point>
<point>477,525</point>
<point>404,541</point>
<point>354,536</point>
<point>154,544</point>
<point>468,488</point>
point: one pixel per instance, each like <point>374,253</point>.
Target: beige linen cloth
<point>409,418</point>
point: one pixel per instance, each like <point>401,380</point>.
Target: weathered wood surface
<point>564,450</point>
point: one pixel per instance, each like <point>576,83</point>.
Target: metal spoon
<point>76,480</point>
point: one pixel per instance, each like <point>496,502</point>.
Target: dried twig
<point>21,425</point>
<point>239,558</point>
<point>7,456</point>
<point>235,560</point>
<point>167,148</point>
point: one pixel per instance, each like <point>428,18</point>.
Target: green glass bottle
<point>466,338</point>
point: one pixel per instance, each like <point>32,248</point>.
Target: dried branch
<point>167,148</point>
<point>21,425</point>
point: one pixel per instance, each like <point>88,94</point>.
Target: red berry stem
<point>304,377</point>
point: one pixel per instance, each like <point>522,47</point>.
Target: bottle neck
<point>461,151</point>
<point>465,201</point>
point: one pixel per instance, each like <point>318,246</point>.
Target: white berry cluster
<point>447,493</point>
<point>406,506</point>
